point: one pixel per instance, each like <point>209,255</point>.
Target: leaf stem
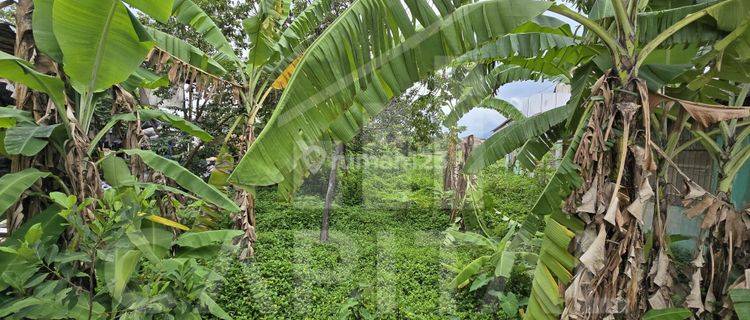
<point>653,44</point>
<point>600,32</point>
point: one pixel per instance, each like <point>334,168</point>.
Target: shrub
<point>351,186</point>
<point>506,194</point>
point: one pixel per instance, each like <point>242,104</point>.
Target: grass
<point>385,257</point>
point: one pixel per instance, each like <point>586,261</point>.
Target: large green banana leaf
<point>486,87</point>
<point>160,10</point>
<point>517,44</point>
<point>152,114</point>
<point>263,30</point>
<point>102,43</point>
<point>27,140</point>
<point>144,78</point>
<point>188,13</point>
<point>186,53</point>
<point>514,136</point>
<point>553,267</point>
<point>12,185</point>
<point>44,38</point>
<point>116,171</point>
<point>371,54</point>
<point>185,179</point>
<point>21,71</point>
<point>10,116</point>
<point>296,38</point>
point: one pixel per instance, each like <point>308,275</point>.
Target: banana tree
<point>637,70</point>
<point>94,49</point>
<point>274,46</point>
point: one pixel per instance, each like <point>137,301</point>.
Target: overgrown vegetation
<point>385,260</point>
<point>116,201</point>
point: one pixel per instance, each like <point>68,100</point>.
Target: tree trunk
<point>337,155</point>
<point>611,200</point>
<point>245,219</point>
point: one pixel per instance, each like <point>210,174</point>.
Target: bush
<point>351,186</point>
<point>506,194</point>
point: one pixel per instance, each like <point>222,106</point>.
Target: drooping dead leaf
<point>588,201</point>
<point>659,301</point>
<point>173,71</point>
<point>283,79</point>
<point>613,210</point>
<point>699,207</point>
<point>735,233</point>
<point>694,299</point>
<point>711,215</point>
<point>662,277</point>
<point>594,258</point>
<point>645,193</point>
<point>694,190</point>
<point>705,114</point>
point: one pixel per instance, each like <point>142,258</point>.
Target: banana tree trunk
<point>245,219</point>
<point>331,191</point>
<point>611,202</point>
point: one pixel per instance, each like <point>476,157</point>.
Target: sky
<point>480,122</point>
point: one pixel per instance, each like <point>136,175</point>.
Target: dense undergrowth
<point>386,257</point>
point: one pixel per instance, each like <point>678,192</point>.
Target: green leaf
<point>21,71</point>
<point>118,272</point>
<point>222,169</point>
<point>160,10</point>
<point>601,9</point>
<point>472,238</point>
<point>741,300</point>
<point>505,265</point>
<point>144,78</point>
<point>34,234</point>
<point>349,75</point>
<point>192,15</point>
<point>186,53</point>
<point>469,271</point>
<point>20,304</point>
<point>177,122</point>
<point>27,140</point>
<point>295,39</point>
<point>207,238</point>
<point>151,114</point>
<point>554,265</point>
<point>213,307</point>
<point>100,42</point>
<point>668,314</point>
<point>14,184</point>
<point>152,240</point>
<point>63,200</point>
<point>108,126</point>
<point>116,171</point>
<point>513,137</point>
<point>518,44</point>
<point>52,226</point>
<point>44,38</point>
<point>10,117</point>
<point>185,179</point>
